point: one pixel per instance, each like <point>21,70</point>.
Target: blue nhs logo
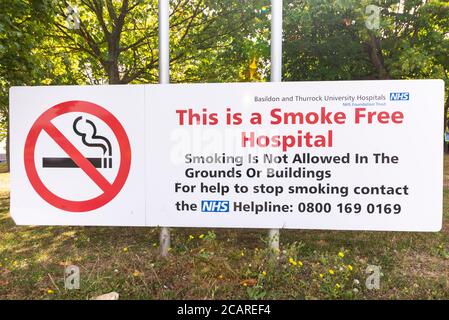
<point>214,206</point>
<point>399,96</point>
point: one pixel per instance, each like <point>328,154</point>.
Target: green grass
<point>221,263</point>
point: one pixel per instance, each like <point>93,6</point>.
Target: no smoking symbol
<point>44,124</point>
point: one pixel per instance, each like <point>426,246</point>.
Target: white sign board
<point>353,155</point>
<point>347,155</point>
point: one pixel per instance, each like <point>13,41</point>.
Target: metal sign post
<point>276,76</point>
<point>164,77</point>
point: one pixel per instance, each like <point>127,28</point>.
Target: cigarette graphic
<point>61,162</point>
<point>92,141</point>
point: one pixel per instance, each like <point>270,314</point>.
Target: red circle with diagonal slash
<point>43,123</point>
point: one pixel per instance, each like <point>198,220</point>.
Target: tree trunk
<point>374,49</point>
<point>113,56</point>
<point>113,74</point>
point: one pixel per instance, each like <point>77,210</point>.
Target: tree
<point>19,63</point>
<point>116,41</point>
<point>328,40</point>
<point>335,40</point>
<point>323,41</point>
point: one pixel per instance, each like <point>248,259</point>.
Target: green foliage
<point>117,41</point>
<point>329,40</point>
<point>19,65</point>
<point>323,41</point>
